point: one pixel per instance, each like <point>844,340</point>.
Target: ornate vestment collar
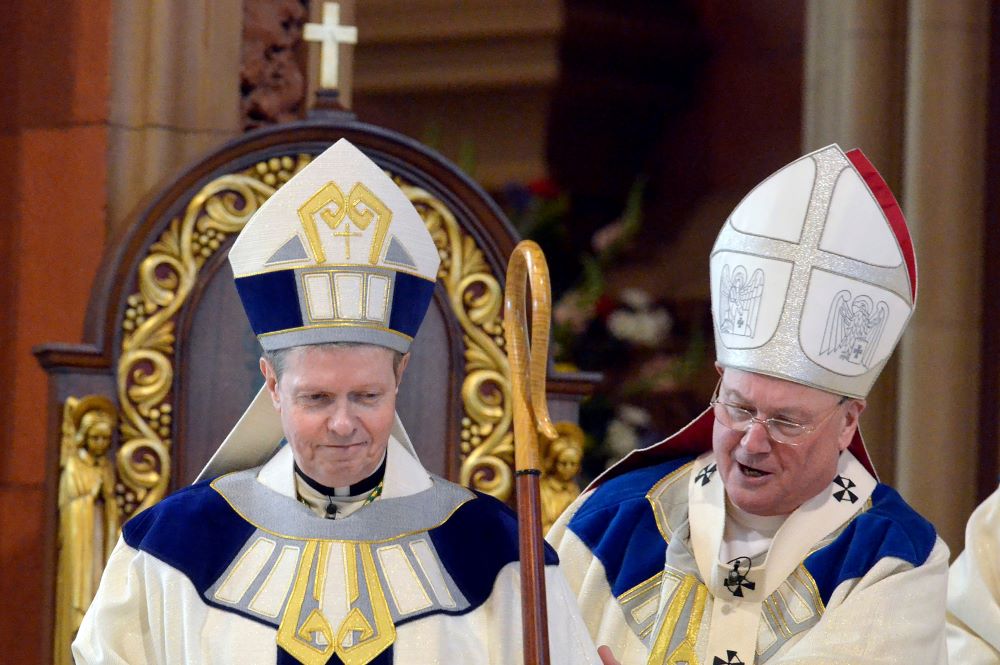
<point>741,586</point>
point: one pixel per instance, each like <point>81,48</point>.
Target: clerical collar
<point>363,486</point>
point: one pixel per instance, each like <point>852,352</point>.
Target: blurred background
<point>619,134</point>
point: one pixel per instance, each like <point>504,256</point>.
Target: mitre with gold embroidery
<point>338,254</point>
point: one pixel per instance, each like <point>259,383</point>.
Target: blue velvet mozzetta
<point>890,528</point>
<point>617,524</point>
<point>198,533</point>
<point>194,530</point>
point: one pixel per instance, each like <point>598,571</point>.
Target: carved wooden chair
<point>170,350</point>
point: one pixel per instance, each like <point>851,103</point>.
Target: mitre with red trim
<point>813,281</point>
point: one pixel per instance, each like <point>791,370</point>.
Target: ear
<point>270,381</point>
<point>851,418</point>
<point>403,362</point>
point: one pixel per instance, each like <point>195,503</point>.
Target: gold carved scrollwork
<point>487,437</point>
<point>165,279</point>
<point>169,272</point>
<point>88,514</point>
<point>477,302</point>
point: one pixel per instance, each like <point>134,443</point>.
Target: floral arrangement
<point>647,351</point>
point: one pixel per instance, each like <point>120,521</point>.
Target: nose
<point>341,419</point>
<point>756,439</point>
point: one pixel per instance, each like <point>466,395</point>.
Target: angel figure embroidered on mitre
<point>854,327</point>
<point>739,300</point>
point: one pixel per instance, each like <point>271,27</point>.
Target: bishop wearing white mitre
<point>759,533</point>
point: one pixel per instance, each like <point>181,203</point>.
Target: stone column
<point>174,91</point>
<point>853,95</point>
<point>855,60</point>
<point>943,184</point>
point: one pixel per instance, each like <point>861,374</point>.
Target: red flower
<point>544,188</point>
<point>604,306</point>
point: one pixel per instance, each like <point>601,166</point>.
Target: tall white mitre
<point>814,276</point>
<point>337,254</point>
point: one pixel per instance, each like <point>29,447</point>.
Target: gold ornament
<point>560,466</point>
<point>477,301</point>
<point>166,277</point>
<point>169,272</point>
<point>88,513</point>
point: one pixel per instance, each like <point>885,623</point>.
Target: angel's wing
<point>837,323</point>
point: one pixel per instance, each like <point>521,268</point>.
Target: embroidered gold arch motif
<point>169,272</point>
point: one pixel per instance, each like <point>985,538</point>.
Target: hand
<point>607,658</point>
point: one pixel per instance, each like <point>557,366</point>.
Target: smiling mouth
<point>751,472</point>
<point>341,446</point>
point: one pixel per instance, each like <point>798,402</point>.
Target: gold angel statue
<point>88,513</point>
<point>561,464</point>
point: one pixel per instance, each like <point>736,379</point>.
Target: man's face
<point>337,406</point>
<point>764,477</point>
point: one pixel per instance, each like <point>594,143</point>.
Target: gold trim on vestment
<point>802,575</point>
<point>771,607</point>
<point>640,588</point>
<point>685,651</point>
<point>657,490</point>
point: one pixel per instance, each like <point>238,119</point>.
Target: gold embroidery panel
<point>677,635</point>
<point>376,586</point>
<point>330,195</point>
<point>167,276</point>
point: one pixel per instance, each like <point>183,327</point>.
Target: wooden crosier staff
<point>528,366</point>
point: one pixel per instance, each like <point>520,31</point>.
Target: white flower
<point>621,439</point>
<point>635,298</point>
<point>647,328</point>
<point>570,312</point>
<point>634,415</point>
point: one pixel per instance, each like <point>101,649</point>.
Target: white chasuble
<point>853,576</point>
<point>239,571</point>
<point>974,590</point>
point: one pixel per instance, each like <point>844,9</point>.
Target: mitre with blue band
<point>337,254</point>
<point>814,276</point>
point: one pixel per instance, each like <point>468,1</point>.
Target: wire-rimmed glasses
<point>740,419</point>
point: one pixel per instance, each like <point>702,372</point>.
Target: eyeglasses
<point>740,419</point>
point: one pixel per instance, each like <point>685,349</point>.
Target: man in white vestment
<point>760,533</point>
<point>316,536</point>
<point>974,590</point>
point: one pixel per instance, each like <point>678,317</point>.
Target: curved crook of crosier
<point>528,360</point>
